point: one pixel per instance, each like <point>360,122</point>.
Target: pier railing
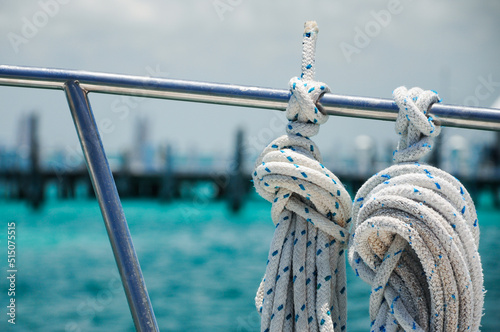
<point>77,84</point>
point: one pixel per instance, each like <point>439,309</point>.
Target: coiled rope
<point>415,235</point>
<point>304,287</point>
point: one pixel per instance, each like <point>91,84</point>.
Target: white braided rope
<point>415,236</point>
<point>415,128</point>
<point>304,287</point>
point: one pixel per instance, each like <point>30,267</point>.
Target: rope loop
<point>414,124</point>
<point>304,287</point>
<point>290,175</point>
<point>415,238</point>
<point>304,113</point>
<point>303,110</point>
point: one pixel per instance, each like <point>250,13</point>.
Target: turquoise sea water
<point>202,266</point>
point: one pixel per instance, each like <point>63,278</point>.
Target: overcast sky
<point>449,46</point>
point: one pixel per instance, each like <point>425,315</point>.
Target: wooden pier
<point>231,186</point>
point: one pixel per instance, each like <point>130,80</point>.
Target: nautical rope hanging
<point>415,235</point>
<point>304,288</point>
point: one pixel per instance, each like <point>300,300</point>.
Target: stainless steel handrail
<point>238,95</point>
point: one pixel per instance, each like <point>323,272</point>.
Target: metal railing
<point>77,85</point>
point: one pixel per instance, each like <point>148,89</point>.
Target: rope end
<point>311,26</point>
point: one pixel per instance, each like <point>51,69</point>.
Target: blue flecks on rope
<point>291,167</point>
<point>418,232</point>
<point>415,128</point>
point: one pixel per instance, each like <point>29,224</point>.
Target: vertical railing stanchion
<point>111,208</point>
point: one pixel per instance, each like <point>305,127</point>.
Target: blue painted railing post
<point>111,208</point>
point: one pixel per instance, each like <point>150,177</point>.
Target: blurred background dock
<point>160,172</point>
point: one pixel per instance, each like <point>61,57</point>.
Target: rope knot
<point>416,243</point>
<point>303,111</point>
<point>417,235</point>
<point>311,210</point>
<point>414,124</point>
<point>289,174</point>
<point>304,286</point>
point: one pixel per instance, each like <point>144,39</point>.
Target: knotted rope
<point>304,287</point>
<point>415,128</point>
<point>415,235</point>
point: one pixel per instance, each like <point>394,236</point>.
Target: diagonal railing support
<point>111,208</point>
